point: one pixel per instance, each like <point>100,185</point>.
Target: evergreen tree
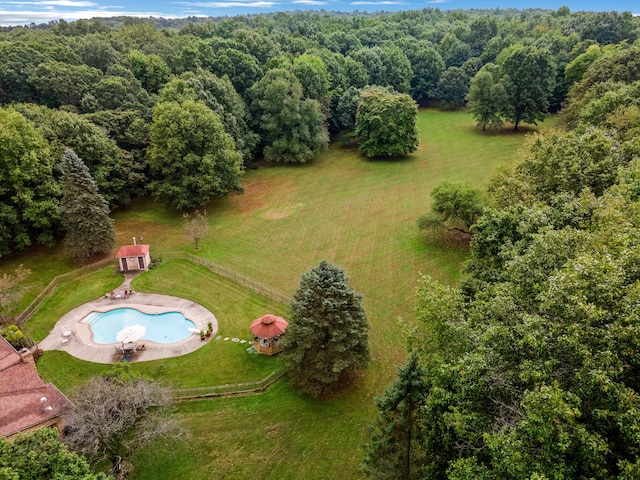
<point>392,450</point>
<point>327,337</point>
<point>85,214</point>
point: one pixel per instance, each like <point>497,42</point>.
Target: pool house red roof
<point>132,251</point>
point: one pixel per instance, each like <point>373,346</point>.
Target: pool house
<point>133,258</point>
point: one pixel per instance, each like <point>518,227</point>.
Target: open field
<point>359,214</point>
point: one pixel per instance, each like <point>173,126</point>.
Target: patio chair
<point>64,340</point>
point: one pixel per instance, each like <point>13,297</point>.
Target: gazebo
<point>267,332</point>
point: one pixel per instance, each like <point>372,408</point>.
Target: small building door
<point>125,267</point>
<point>141,263</point>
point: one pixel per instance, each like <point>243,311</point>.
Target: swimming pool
<point>168,327</point>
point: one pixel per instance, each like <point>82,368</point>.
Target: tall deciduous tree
<point>529,78</point>
<point>192,157</point>
<point>428,66</point>
<point>116,414</point>
<point>291,127</point>
<point>393,449</point>
<point>85,214</point>
<point>28,191</point>
<point>327,337</point>
<point>240,67</point>
<point>219,95</point>
<point>487,96</point>
<point>59,83</point>
<point>39,455</point>
<point>314,77</point>
<point>386,123</point>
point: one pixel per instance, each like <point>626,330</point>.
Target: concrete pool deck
<point>80,343</point>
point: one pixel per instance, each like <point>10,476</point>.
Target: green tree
<point>39,455</point>
<point>58,83</point>
<point>386,123</point>
<point>346,108</point>
<point>455,207</point>
<point>192,158</point>
<point>453,87</point>
<point>313,76</point>
<point>327,338</point>
<point>17,62</point>
<point>151,70</point>
<point>89,230</point>
<point>97,51</point>
<point>291,127</point>
<point>486,98</point>
<point>397,71</point>
<point>393,448</point>
<point>427,66</point>
<point>118,90</point>
<point>572,162</point>
<point>454,52</point>
<point>575,70</point>
<point>29,194</point>
<point>529,80</point>
<point>242,68</point>
<point>219,95</point>
<point>117,177</point>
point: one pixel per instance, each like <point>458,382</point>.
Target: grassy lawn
<point>359,214</point>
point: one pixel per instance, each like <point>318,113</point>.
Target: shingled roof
<point>21,393</point>
<point>132,251</point>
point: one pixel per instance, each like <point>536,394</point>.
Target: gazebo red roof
<point>269,326</point>
<point>132,251</point>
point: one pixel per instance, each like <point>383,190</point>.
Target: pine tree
<point>327,338</point>
<point>85,214</point>
<point>392,451</point>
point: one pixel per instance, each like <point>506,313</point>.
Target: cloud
<point>381,2</point>
<point>232,4</point>
<point>438,1</point>
<point>24,17</point>
<point>311,2</point>
<point>53,3</point>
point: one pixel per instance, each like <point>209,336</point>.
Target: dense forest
<point>179,108</point>
<point>530,369</point>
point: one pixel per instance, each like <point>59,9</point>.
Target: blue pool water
<point>162,328</point>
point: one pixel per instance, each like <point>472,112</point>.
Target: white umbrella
<point>131,333</point>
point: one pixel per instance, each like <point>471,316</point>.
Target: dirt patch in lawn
<point>264,192</point>
<point>278,213</point>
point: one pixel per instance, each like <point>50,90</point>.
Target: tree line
<point>179,109</point>
<point>529,369</point>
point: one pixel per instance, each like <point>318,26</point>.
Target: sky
<point>21,12</point>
